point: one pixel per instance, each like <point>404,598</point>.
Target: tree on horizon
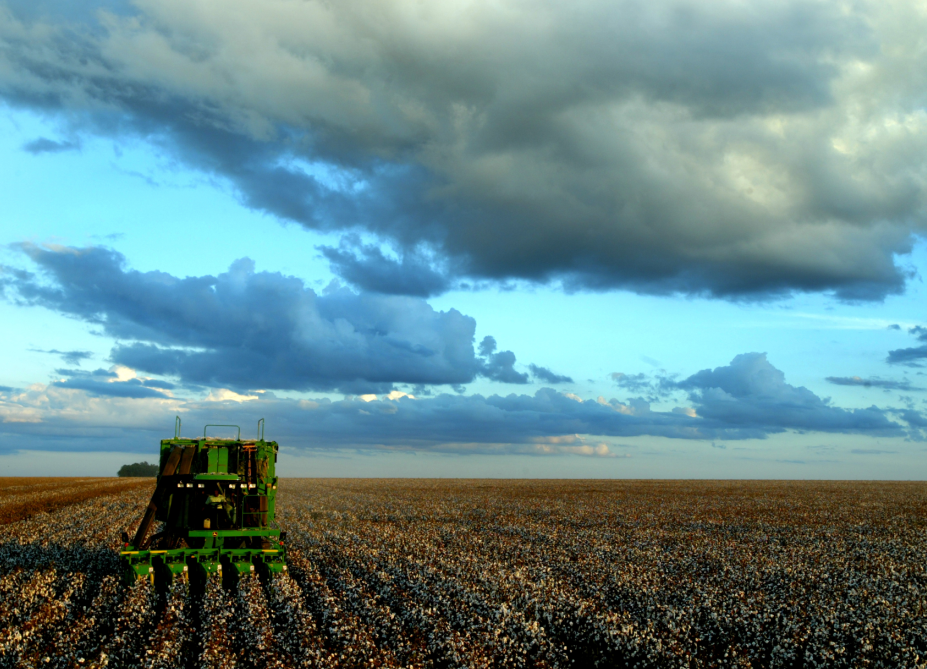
<point>139,469</point>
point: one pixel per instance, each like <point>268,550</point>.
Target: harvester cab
<point>215,499</point>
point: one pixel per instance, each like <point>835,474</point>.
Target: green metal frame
<point>238,438</point>
<point>190,470</point>
<point>172,563</point>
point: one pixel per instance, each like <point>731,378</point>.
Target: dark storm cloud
<point>70,357</point>
<point>871,383</point>
<point>44,145</point>
<point>702,148</point>
<point>245,329</point>
<point>544,374</point>
<point>910,356</point>
<point>751,392</point>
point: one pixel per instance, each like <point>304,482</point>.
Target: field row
<point>504,574</point>
<point>21,498</point>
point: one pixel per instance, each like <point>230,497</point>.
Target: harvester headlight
<point>189,485</point>
<point>218,567</point>
<point>252,567</point>
<point>185,568</point>
<point>150,570</point>
<point>199,485</point>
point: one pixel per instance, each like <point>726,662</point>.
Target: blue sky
<point>694,271</point>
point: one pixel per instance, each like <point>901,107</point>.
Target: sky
<point>467,239</point>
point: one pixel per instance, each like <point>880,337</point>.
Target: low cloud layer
<point>887,384</point>
<point>45,145</point>
<point>545,375</point>
<point>910,357</point>
<point>106,383</point>
<point>748,399</point>
<point>133,388</point>
<point>737,150</point>
<point>652,387</point>
<point>70,357</point>
<point>245,329</point>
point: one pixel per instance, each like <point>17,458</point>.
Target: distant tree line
<point>139,469</point>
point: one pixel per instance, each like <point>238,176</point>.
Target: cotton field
<point>418,573</point>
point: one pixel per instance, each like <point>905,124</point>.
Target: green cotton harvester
<point>215,500</point>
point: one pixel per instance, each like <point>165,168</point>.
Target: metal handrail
<point>217,425</point>
<point>242,513</point>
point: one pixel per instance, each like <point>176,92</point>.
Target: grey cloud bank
<point>751,392</point>
<point>132,388</point>
<point>716,148</point>
<point>748,399</point>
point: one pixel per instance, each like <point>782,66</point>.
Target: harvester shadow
<point>96,566</point>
